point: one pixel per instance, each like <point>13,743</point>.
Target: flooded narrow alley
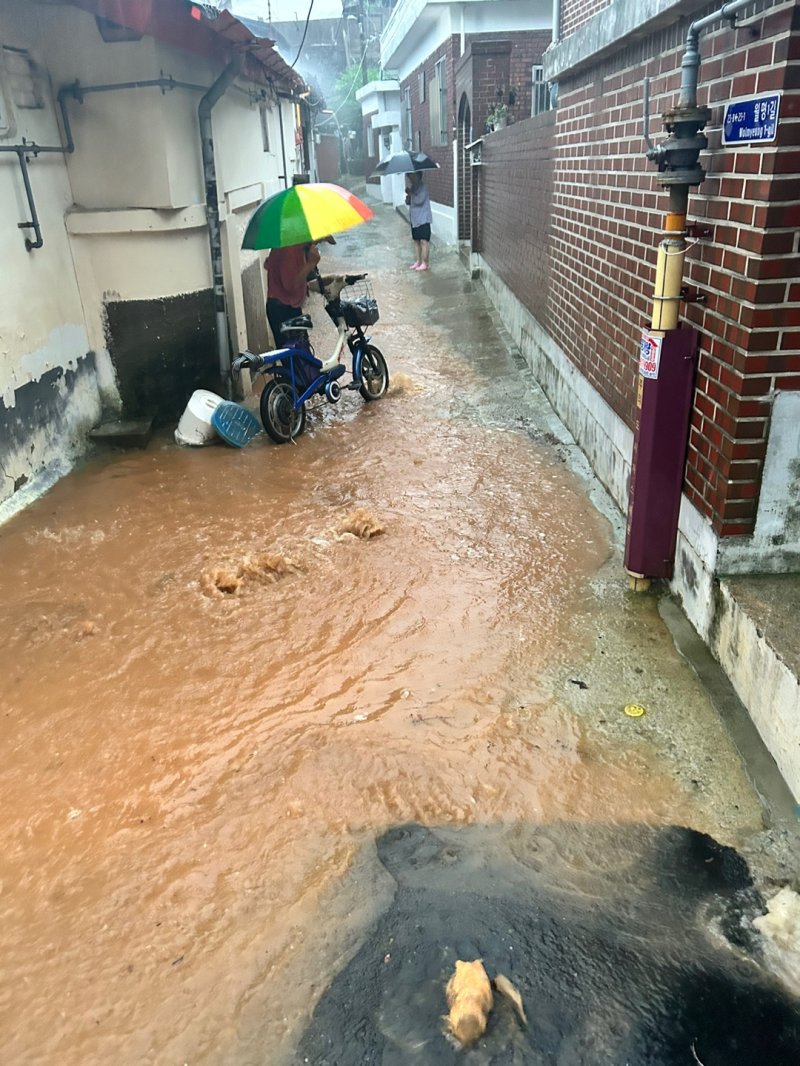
<point>231,676</point>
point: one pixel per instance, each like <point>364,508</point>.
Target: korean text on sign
<point>751,121</point>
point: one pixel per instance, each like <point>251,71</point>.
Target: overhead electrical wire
<point>355,78</point>
<point>305,31</point>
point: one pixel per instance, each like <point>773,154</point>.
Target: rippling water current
<point>215,690</point>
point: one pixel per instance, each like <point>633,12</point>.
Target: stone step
<point>134,433</point>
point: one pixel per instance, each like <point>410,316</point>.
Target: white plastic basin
<point>195,426</point>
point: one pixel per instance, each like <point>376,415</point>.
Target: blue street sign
<point>754,120</point>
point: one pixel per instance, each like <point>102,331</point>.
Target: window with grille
<point>540,96</point>
<point>406,119</point>
<point>437,103</point>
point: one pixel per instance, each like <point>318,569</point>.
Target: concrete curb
<point>761,768</point>
<point>755,689</point>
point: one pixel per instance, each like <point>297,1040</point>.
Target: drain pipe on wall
<point>207,104</point>
<point>668,358</point>
<point>285,176</point>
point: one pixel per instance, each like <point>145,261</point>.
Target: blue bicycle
<point>296,374</point>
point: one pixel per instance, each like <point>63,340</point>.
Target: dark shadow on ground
<point>629,945</point>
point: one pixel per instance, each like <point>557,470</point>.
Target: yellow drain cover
<point>634,710</point>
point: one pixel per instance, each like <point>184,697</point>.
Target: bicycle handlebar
<point>246,360</point>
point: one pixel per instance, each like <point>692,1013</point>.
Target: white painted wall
<point>393,186</point>
<point>445,223</point>
<point>694,580</point>
<point>130,128</point>
<point>114,132</point>
<point>417,27</point>
<point>42,325</point>
<point>381,101</point>
<point>773,548</point>
<point>124,216</point>
<point>408,43</point>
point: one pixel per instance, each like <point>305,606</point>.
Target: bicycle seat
<point>299,324</point>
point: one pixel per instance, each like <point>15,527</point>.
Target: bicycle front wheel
<point>374,373</point>
<point>282,420</point>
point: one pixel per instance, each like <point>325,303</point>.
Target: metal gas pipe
<point>677,162</point>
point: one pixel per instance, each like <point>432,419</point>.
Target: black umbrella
<point>405,163</point>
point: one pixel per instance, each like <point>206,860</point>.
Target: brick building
<point>456,62</point>
<point>575,270</point>
<point>571,217</point>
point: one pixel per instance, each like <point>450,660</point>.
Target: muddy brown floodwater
<point>215,690</point>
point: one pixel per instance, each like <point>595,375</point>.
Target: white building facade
<point>380,106</point>
<point>109,300</point>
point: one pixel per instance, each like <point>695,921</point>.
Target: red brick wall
<point>491,77</point>
<point>517,179</point>
<point>493,67</point>
<point>575,12</point>
<point>440,182</point>
<point>606,213</point>
<point>528,49</point>
<point>750,270</point>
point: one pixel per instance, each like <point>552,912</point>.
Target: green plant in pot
<point>497,119</point>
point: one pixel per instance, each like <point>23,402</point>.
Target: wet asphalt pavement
<point>637,952</point>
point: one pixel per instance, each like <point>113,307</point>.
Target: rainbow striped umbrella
<point>304,213</point>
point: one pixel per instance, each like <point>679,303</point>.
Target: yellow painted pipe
<point>669,278</point>
<point>669,272</point>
